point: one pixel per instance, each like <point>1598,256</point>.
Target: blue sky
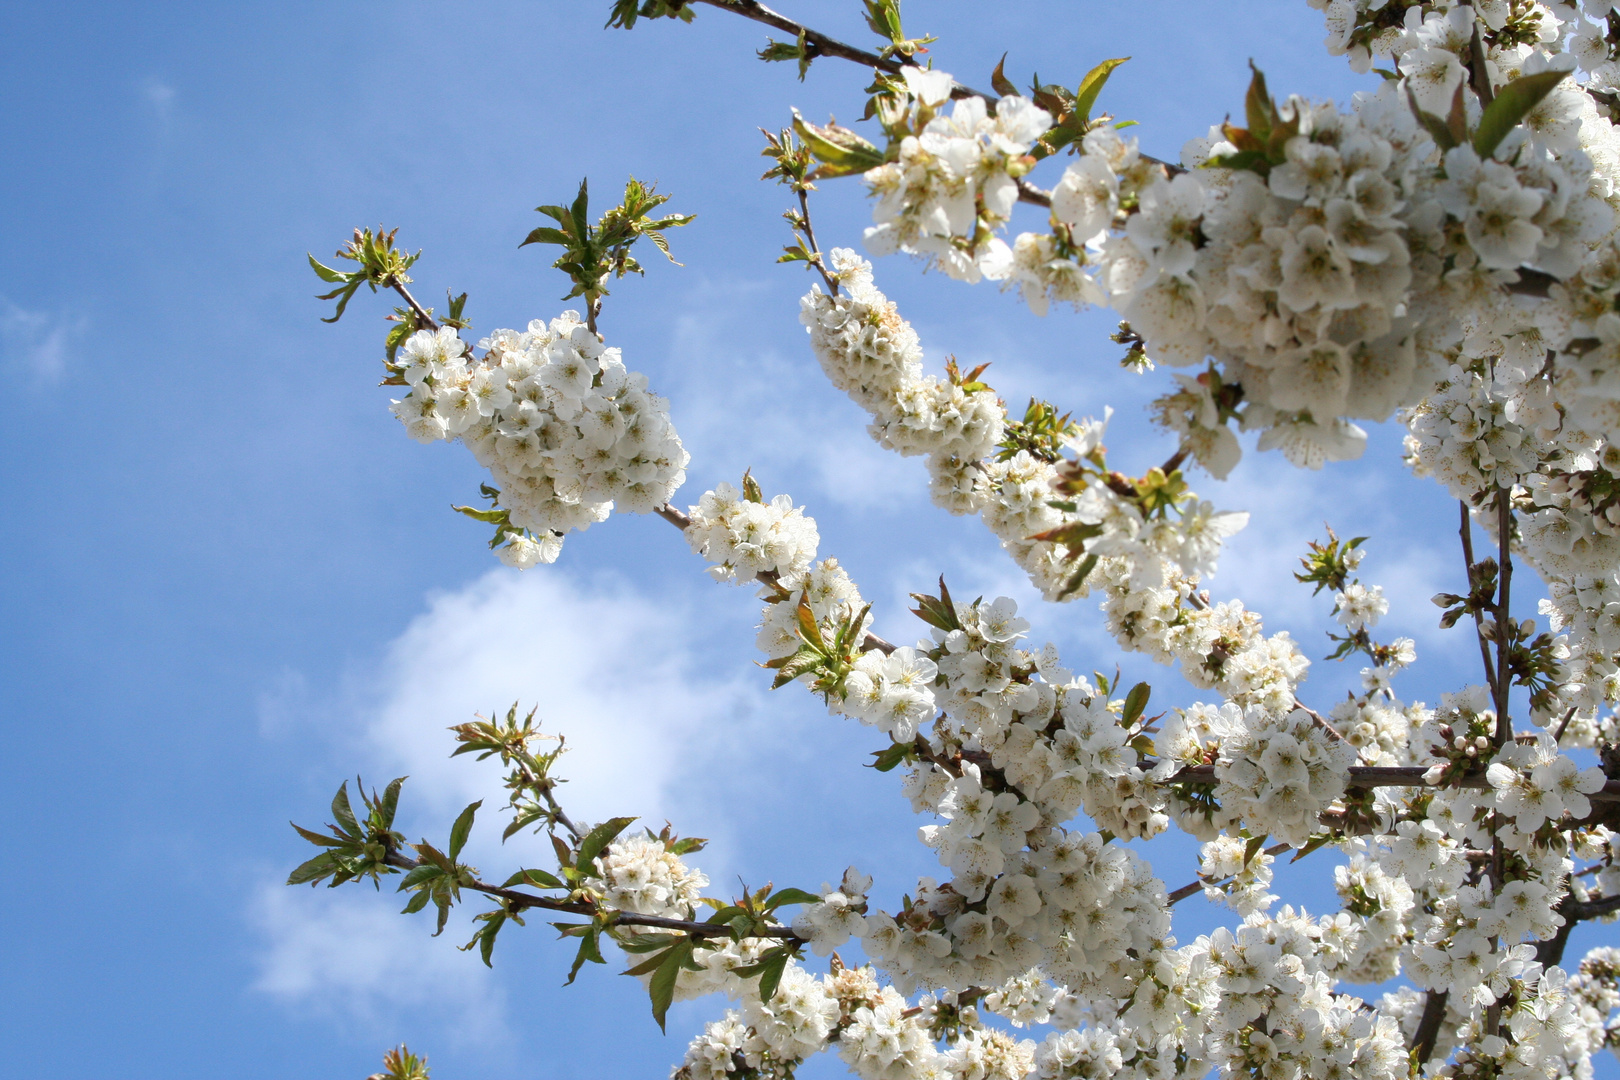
<point>231,581</point>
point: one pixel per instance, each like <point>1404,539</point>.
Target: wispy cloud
<point>159,96</point>
<point>38,344</point>
<point>612,671</point>
<point>341,954</point>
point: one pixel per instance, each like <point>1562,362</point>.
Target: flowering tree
<point>1446,251</point>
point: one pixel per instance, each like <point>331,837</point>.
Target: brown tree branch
<point>421,313</point>
<point>1428,1029</point>
<point>1504,614</point>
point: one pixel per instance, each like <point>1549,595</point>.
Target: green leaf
<point>313,870</point>
<point>1436,127</point>
<point>1311,845</point>
<point>599,838</point>
<point>1078,578</point>
<point>839,149</point>
<point>662,987</point>
<point>1252,848</point>
<point>892,757</point>
<point>783,897</point>
<point>320,839</point>
<point>806,659</point>
<point>326,273</point>
<point>588,950</point>
<point>344,813</point>
<point>1511,104</point>
<point>770,971</point>
<point>485,938</point>
<point>809,627</point>
<point>1258,108</point>
<point>420,875</point>
<point>1092,85</point>
<point>546,235</point>
<point>538,878</point>
<point>417,902</point>
<point>578,210</point>
<point>1135,702</point>
<point>937,611</point>
<point>462,827</point>
<point>390,799</point>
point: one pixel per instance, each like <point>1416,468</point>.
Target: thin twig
<point>1466,531</point>
<point>1504,614</point>
<point>558,815</point>
<point>1564,724</point>
<point>1194,886</point>
<point>421,313</point>
<point>810,235</point>
<point>521,900</point>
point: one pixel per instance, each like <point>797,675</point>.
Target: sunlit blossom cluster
<point>566,430</point>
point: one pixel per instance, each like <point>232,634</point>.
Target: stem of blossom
<point>1428,1029</point>
<point>1466,531</point>
<point>521,900</point>
<point>1320,721</point>
<point>421,313</point>
<point>1033,195</point>
<point>1482,77</point>
<point>1194,886</point>
<point>810,235</point>
<point>1504,628</point>
<point>559,816</point>
<point>682,522</point>
<point>1564,724</point>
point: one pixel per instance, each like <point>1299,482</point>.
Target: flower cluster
<point>565,429</point>
<point>1280,771</point>
<point>642,875</point>
<point>954,181</point>
<point>745,536</point>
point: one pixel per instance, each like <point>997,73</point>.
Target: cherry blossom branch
<point>815,249</point>
<point>1373,776</point>
<point>682,522</point>
<point>521,900</point>
<point>818,44</point>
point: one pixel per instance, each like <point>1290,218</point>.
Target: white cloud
<point>730,373</point>
<point>341,953</point>
<point>610,670</point>
<point>159,97</point>
<point>37,343</point>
